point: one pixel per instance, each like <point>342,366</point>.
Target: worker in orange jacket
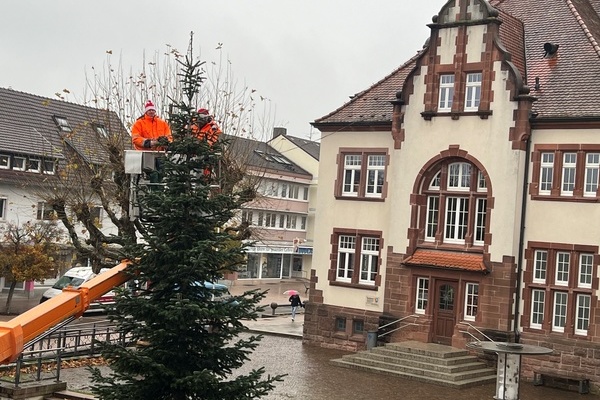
<point>148,128</point>
<point>206,128</point>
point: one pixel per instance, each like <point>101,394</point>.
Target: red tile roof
<point>446,259</point>
<point>569,83</point>
<point>373,104</point>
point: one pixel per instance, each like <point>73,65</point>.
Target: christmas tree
<point>189,330</point>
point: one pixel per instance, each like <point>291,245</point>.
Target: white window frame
<point>34,165</point>
<point>540,266</point>
<point>586,268</point>
<point>63,124</point>
<point>561,276</point>
<point>4,161</point>
<point>42,212</point>
<point>446,93</point>
<point>102,131</point>
<point>538,305</point>
<point>291,221</point>
<point>422,295</point>
<point>375,175</point>
<point>459,176</point>
<point>569,169</point>
<point>3,203</point>
<point>270,220</point>
<point>473,91</point>
<point>431,223</point>
<point>303,223</point>
<point>583,311</point>
<point>457,219</point>
<point>46,170</point>
<point>352,172</point>
<point>369,260</point>
<point>436,181</point>
<point>480,216</point>
<point>471,301</point>
<point>546,172</point>
<point>346,252</point>
<point>247,216</point>
<point>592,168</point>
<point>305,193</point>
<point>559,311</point>
<point>19,163</point>
<point>481,183</point>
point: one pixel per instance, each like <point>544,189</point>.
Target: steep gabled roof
<point>310,147</point>
<point>28,127</point>
<point>568,82</point>
<point>261,156</point>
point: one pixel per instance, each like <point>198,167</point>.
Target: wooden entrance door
<point>444,317</point>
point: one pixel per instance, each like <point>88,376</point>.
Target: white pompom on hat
<point>149,106</point>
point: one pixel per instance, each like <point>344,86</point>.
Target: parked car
<point>75,277</point>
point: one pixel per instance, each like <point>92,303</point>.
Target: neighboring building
<point>462,189</point>
<point>278,217</point>
<point>304,153</point>
<point>37,134</point>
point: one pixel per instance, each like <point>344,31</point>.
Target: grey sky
<point>306,56</point>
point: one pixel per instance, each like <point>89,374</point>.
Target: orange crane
<point>16,333</point>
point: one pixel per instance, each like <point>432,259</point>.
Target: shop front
<point>273,262</point>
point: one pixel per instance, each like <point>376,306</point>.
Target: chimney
<point>279,131</point>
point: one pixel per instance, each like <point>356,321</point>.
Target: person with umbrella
<point>295,302</point>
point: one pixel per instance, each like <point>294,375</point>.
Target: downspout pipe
<point>522,240</point>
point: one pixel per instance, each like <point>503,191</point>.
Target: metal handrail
<point>478,331</point>
<point>395,322</point>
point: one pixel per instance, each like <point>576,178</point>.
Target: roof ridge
<point>58,99</point>
<point>584,26</point>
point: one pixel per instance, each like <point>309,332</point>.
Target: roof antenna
<point>550,49</point>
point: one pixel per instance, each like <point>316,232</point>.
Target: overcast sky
<point>306,56</point>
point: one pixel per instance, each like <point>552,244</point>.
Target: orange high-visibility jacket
<point>209,132</point>
<point>147,128</point>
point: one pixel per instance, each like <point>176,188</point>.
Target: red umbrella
<point>291,292</point>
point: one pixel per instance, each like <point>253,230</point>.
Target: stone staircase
<point>424,362</point>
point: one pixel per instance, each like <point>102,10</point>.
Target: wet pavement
<point>310,376</point>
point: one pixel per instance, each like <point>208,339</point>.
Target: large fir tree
<point>192,346</point>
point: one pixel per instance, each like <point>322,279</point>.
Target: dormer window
<point>101,130</point>
<point>446,93</point>
<point>63,124</point>
<point>34,165</point>
<point>49,167</point>
<point>4,161</point>
<point>19,163</point>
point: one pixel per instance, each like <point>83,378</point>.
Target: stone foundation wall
<point>572,358</point>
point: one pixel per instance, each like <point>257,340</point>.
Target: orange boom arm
<point>70,303</point>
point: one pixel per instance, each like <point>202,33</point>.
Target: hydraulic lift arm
<point>70,303</point>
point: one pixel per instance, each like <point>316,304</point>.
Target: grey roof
<point>27,127</point>
<point>311,148</point>
<point>260,155</point>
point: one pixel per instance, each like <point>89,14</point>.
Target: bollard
<point>371,339</point>
<point>273,306</point>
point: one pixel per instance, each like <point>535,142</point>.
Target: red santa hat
<point>149,106</point>
<point>203,111</point>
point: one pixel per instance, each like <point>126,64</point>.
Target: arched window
<point>455,207</point>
